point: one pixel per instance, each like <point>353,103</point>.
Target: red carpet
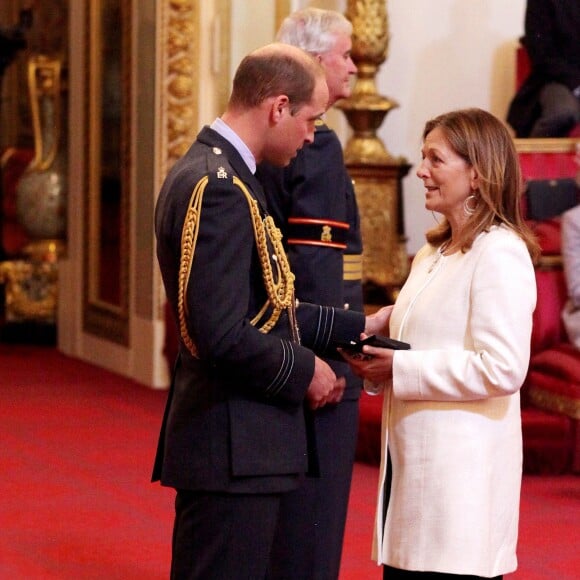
<point>76,502</point>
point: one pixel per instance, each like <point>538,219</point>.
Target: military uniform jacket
<point>234,419</point>
<point>316,186</point>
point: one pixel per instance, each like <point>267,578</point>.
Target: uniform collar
<point>223,129</point>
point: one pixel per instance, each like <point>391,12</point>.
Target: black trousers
<point>310,532</point>
<point>390,573</point>
<point>223,536</point>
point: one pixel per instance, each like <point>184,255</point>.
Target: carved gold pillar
<point>376,173</point>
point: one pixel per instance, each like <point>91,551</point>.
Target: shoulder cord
<point>279,287</point>
<point>188,241</point>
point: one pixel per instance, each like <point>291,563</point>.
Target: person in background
<point>233,440</point>
<point>548,102</point>
<point>571,256</point>
<point>449,500</point>
<point>313,201</point>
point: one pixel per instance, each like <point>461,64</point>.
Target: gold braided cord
<point>188,242</point>
<point>258,316</point>
<point>279,285</point>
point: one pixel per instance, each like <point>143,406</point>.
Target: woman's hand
<point>375,364</point>
<point>378,323</point>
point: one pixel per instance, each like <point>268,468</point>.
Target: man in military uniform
<point>314,203</point>
<point>233,440</point>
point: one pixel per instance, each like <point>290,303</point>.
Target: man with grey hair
<point>313,203</point>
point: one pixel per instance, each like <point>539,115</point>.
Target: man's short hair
<point>273,70</point>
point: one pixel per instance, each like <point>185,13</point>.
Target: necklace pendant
<point>438,255</point>
<point>434,263</point>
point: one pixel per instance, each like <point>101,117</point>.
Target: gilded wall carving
<point>179,71</point>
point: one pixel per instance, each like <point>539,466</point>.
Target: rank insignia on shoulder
<point>217,150</point>
<point>221,173</point>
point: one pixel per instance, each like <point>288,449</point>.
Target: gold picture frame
<point>108,96</point>
<point>169,128</point>
<point>544,145</point>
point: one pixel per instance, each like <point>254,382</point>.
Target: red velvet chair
<point>551,392</point>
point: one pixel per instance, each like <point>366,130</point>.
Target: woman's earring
<point>470,205</point>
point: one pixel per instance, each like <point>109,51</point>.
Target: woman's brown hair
<point>484,142</point>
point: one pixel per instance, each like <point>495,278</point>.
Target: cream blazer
<point>451,417</point>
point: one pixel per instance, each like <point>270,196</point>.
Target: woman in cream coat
<point>451,416</point>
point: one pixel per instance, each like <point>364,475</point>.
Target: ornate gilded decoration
<point>376,173</point>
<point>379,194</point>
<point>178,94</point>
<point>548,145</point>
<point>555,402</point>
<point>44,75</point>
<point>31,290</point>
<point>365,109</point>
<point>41,193</point>
<point>371,31</point>
<point>179,71</point>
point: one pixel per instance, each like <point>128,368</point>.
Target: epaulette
<point>320,125</point>
<point>218,165</point>
<point>279,285</point>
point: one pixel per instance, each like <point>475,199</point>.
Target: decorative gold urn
<point>376,173</point>
<point>42,191</point>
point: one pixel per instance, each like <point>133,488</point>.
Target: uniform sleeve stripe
<point>324,328</point>
<point>285,370</point>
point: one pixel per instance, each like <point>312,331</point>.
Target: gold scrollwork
<point>385,261</point>
<point>179,71</point>
<point>555,403</point>
<point>31,290</point>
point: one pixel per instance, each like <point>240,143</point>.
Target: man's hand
<point>338,392</point>
<point>322,384</point>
